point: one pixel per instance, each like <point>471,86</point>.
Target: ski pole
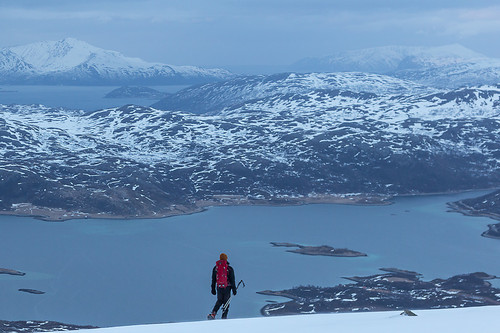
<point>226,305</point>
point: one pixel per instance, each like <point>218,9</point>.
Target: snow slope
<point>389,59</point>
<point>448,66</point>
<point>478,319</point>
<point>74,61</point>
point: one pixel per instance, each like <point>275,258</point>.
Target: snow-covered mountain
<point>70,61</point>
<point>215,96</point>
<point>448,66</point>
<point>144,161</point>
<point>480,319</point>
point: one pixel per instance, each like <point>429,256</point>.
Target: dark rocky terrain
<point>37,326</point>
<point>487,205</point>
<point>394,290</point>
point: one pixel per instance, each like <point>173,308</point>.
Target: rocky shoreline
<point>57,214</point>
<point>395,289</point>
<point>468,210</point>
<point>38,326</point>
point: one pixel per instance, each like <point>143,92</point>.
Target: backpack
<point>222,268</point>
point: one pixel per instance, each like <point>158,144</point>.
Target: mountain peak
<point>56,55</point>
<point>70,60</point>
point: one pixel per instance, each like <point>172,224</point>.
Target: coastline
<point>60,215</point>
<point>462,208</point>
<point>466,210</point>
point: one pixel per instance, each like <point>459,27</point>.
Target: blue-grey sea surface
<point>87,98</point>
<point>120,272</point>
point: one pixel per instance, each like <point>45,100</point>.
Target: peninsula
<point>394,290</point>
<point>487,205</point>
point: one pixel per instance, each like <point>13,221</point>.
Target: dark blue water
<point>117,272</point>
<point>88,98</point>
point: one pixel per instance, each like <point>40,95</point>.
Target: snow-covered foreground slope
<point>479,319</point>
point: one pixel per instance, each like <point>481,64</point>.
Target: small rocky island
<point>11,272</point>
<point>487,205</point>
<point>32,291</point>
<point>136,92</point>
<point>323,250</point>
<point>393,290</point>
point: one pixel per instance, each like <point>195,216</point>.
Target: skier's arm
<point>214,278</point>
<point>231,280</point>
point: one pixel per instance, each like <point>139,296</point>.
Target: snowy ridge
<point>391,58</point>
<point>215,96</point>
<point>479,319</point>
<point>448,66</point>
<point>140,160</point>
<point>74,61</point>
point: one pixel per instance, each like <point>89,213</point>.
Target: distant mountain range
<point>448,66</point>
<point>74,62</point>
<point>265,140</point>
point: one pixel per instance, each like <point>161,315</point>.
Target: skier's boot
<point>211,316</point>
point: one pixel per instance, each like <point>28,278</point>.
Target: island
<point>32,291</point>
<point>493,231</point>
<point>11,272</point>
<point>323,250</point>
<point>136,92</point>
<point>393,290</point>
<point>487,205</point>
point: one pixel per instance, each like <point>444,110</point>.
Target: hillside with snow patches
<point>291,143</point>
<point>71,61</point>
<point>449,66</point>
<point>215,96</point>
<point>480,319</point>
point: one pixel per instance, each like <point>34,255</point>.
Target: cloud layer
<point>256,32</point>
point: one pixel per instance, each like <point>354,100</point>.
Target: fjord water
<point>87,98</point>
<point>118,272</point>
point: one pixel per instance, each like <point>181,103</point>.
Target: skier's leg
<point>220,300</point>
<point>227,296</point>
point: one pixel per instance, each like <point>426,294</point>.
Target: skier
<point>223,277</point>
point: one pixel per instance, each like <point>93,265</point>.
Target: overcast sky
<point>251,32</point>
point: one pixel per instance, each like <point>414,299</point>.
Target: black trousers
<point>223,295</point>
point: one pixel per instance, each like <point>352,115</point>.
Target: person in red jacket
<point>223,279</point>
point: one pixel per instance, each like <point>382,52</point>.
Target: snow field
<point>477,319</point>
